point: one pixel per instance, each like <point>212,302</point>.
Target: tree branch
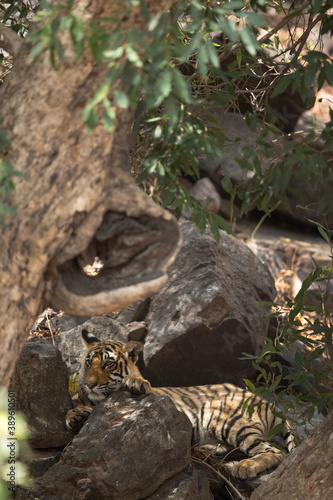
<point>10,41</point>
<point>281,24</point>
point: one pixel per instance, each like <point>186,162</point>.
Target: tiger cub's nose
<point>91,386</point>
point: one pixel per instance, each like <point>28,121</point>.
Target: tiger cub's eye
<point>109,364</point>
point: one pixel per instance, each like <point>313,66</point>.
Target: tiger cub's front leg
<point>138,385</point>
<point>77,417</point>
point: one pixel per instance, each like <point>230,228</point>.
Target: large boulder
<point>306,473</point>
<point>126,450</point>
<point>40,383</point>
<point>206,316</point>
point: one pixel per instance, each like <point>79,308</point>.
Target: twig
<point>263,218</point>
<point>50,327</point>
<point>280,25</point>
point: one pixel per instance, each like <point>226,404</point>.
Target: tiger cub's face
<point>105,366</point>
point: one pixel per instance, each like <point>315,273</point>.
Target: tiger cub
<point>215,411</point>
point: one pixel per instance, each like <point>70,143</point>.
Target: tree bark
<point>9,41</point>
<point>76,200</point>
<point>306,474</point>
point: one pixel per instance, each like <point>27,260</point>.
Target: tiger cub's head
<point>105,366</point>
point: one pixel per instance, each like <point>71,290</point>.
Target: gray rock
<point>190,484</point>
<point>306,473</point>
<point>40,383</point>
<point>127,449</point>
<point>240,136</point>
<point>66,322</point>
<point>135,312</point>
<point>308,122</point>
<point>71,344</point>
<point>206,316</point>
<point>205,192</point>
<point>269,257</point>
<point>137,330</point>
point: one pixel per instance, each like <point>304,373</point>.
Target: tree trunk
<point>76,200</point>
<point>306,474</point>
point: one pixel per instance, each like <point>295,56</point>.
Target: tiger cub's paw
<point>76,418</point>
<point>245,469</point>
<point>137,385</point>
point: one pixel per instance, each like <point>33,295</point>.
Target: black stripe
<point>241,436</point>
<point>256,442</point>
<point>232,419</point>
<point>229,425</point>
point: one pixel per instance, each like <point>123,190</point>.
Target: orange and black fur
<point>215,411</point>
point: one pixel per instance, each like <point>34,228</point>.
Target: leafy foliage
<point>298,393</point>
<point>195,73</point>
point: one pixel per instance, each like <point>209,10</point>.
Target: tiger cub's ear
<point>89,339</point>
<point>132,350</point>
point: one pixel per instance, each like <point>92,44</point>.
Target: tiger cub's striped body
<point>215,411</point>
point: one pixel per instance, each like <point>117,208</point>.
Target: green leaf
<point>203,60</point>
<point>101,93</point>
<point>322,230</point>
<point>282,84</point>
<point>3,140</point>
<point>112,73</point>
<point>90,115</point>
<point>328,70</point>
<point>171,111</point>
<point>190,48</point>
<point>214,228</point>
<point>154,21</point>
<point>181,86</point>
<point>310,414</point>
<point>299,361</point>
<point>278,414</point>
<point>133,56</point>
<point>249,41</point>
<point>77,30</point>
<point>163,86</point>
<point>73,385</point>
<point>114,53</point>
<point>246,402</point>
<point>143,176</point>
<point>109,115</point>
<point>252,122</point>
<point>229,28</point>
<point>249,384</point>
<point>200,220</point>
<point>121,98</point>
<point>322,405</point>
<point>36,50</point>
<point>222,224</point>
<point>227,185</point>
<point>169,196</point>
<point>212,54</point>
<point>276,430</point>
<point>326,202</point>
